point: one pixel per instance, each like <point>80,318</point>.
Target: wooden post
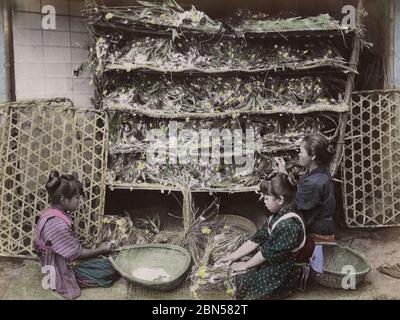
<point>349,87</point>
<point>389,81</point>
<point>8,50</point>
<point>187,213</point>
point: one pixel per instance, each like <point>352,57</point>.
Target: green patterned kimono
<point>278,275</point>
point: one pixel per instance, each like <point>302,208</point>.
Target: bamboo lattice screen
<point>42,136</point>
<point>371,166</point>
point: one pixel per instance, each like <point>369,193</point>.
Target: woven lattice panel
<point>3,132</point>
<point>43,136</point>
<point>371,167</point>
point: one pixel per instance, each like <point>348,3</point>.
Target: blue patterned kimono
<point>277,275</point>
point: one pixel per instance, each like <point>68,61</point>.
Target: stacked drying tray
<point>166,68</point>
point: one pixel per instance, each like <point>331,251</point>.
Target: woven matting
<point>41,136</point>
<point>371,167</point>
<point>182,293</point>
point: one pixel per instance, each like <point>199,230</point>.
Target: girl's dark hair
<point>318,145</point>
<point>66,186</point>
<point>279,184</point>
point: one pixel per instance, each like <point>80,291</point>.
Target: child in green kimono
<point>271,271</point>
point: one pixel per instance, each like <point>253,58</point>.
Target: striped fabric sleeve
<point>63,240</point>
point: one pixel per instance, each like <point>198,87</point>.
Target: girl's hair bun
<point>279,185</point>
<point>319,145</point>
<point>53,182</point>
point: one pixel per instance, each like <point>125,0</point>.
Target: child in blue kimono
<point>315,200</point>
<point>315,197</point>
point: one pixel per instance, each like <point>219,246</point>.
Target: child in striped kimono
<point>73,266</point>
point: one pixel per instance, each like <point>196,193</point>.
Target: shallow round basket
<point>339,262</point>
<point>173,260</point>
<point>239,222</point>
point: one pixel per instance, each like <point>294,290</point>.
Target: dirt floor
<point>20,279</point>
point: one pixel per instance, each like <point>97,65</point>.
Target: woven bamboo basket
<point>336,259</point>
<point>239,222</point>
<point>174,261</point>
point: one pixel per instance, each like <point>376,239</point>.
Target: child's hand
<point>105,247</point>
<point>281,163</point>
<point>227,260</point>
<point>239,267</point>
